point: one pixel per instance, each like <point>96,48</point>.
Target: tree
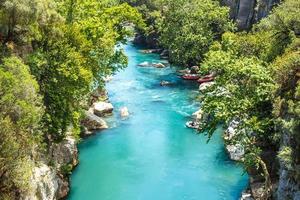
<point>188,32</point>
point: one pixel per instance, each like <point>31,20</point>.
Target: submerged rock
<point>165,83</point>
<point>193,124</point>
<point>102,108</point>
<point>124,112</point>
<point>159,65</point>
<point>145,64</point>
<point>236,152</point>
<point>146,51</point>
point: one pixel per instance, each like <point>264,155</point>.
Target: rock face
<point>288,185</point>
<point>236,152</point>
<point>65,152</point>
<point>44,184</point>
<point>47,183</point>
<point>231,131</point>
<point>93,122</point>
<point>247,12</point>
<point>102,108</point>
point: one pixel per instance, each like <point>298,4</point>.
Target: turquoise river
<point>152,155</point>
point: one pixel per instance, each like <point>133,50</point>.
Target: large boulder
<point>102,108</point>
<point>236,152</point>
<point>93,122</point>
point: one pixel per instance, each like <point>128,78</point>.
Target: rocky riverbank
<point>50,175</point>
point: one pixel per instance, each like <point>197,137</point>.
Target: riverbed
<point>152,155</point>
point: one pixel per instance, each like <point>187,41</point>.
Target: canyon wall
<point>247,12</point>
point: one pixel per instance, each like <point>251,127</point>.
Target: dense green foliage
<point>258,74</point>
<point>186,32</point>
<point>53,55</point>
<point>189,31</point>
<point>21,110</point>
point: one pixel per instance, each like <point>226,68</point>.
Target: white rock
<point>102,108</point>
<point>246,196</point>
<point>124,112</point>
<point>165,83</point>
<point>231,131</point>
<point>236,152</point>
<point>145,64</point>
<point>198,115</point>
<point>205,86</point>
<point>159,65</point>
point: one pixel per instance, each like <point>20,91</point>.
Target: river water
<point>152,155</point>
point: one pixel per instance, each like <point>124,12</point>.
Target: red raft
<point>205,79</point>
<point>191,76</point>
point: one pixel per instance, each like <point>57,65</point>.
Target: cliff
<point>247,12</point>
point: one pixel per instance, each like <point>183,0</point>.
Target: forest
<point>54,54</point>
